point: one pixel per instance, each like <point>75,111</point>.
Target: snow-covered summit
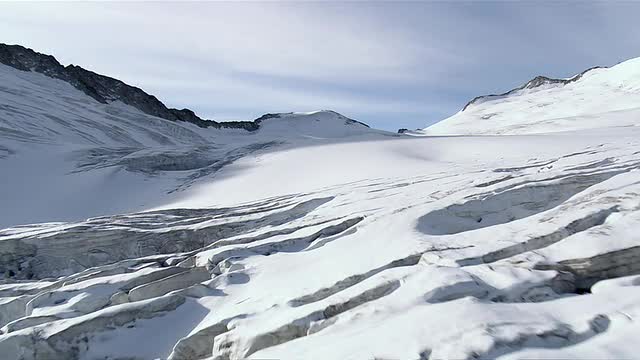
<point>551,105</point>
<point>318,124</point>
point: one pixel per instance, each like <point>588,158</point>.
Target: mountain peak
<point>546,104</point>
<point>536,82</point>
<point>319,115</point>
<point>105,89</point>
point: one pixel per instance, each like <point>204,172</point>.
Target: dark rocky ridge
<point>105,89</point>
<point>533,83</point>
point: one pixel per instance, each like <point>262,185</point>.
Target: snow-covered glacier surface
<point>314,237</point>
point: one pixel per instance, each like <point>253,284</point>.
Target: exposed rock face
<point>25,59</point>
<point>533,83</point>
<point>105,89</point>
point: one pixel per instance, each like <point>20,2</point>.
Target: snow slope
<point>63,150</point>
<point>335,242</point>
<point>601,97</point>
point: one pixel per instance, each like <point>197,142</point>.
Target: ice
<point>129,236</point>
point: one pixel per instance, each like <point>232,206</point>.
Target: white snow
<point>66,155</point>
<point>601,98</point>
<point>333,241</point>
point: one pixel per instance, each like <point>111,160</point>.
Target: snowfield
<point>127,236</point>
<point>82,158</point>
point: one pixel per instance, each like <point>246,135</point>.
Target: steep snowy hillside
<point>66,156</point>
<point>598,97</point>
<point>312,237</point>
<point>104,89</point>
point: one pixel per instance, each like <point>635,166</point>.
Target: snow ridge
<point>531,84</point>
<point>598,97</point>
<point>105,89</point>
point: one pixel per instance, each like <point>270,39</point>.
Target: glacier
<point>128,236</point>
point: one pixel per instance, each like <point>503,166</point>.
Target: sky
<point>389,64</point>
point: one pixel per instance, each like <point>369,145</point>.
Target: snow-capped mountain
<point>66,150</point>
<point>315,236</point>
<point>104,89</point>
<point>595,98</point>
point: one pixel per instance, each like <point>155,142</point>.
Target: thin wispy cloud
<point>390,64</point>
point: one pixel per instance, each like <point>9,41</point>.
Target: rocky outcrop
<point>105,89</point>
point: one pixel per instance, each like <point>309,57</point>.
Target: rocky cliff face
<point>105,89</point>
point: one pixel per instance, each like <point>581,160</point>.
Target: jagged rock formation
<point>105,89</point>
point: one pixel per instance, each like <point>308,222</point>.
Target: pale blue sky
<point>390,65</point>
